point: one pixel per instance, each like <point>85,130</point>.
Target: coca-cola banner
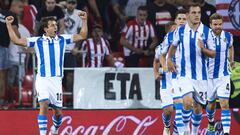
<point>102,122</point>
<point>108,88</point>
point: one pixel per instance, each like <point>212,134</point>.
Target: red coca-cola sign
<point>99,122</point>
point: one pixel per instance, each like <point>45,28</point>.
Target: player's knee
<point>187,103</point>
<point>168,111</point>
<point>211,106</point>
<point>224,104</point>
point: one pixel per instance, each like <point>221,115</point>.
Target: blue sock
<point>186,115</point>
<point>226,120</point>
<point>210,114</point>
<point>57,121</point>
<point>42,124</point>
<point>178,117</point>
<point>196,121</point>
<point>166,120</point>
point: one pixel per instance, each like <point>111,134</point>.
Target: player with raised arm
<point>219,76</point>
<point>49,49</point>
<point>196,44</point>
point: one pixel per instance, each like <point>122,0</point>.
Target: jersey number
<point>227,87</point>
<point>59,96</point>
<point>203,95</point>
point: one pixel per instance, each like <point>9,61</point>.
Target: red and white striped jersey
<point>230,11</point>
<point>95,52</point>
<point>137,35</point>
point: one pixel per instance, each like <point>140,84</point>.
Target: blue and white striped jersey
<point>192,62</point>
<point>164,47</point>
<point>50,53</point>
<point>218,66</point>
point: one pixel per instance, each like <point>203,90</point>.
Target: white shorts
<point>176,91</point>
<point>219,88</point>
<point>197,87</point>
<point>166,90</point>
<point>49,88</point>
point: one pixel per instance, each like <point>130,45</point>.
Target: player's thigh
<point>176,91</point>
<point>200,91</point>
<point>55,93</point>
<point>41,85</point>
<point>211,91</point>
<point>186,86</point>
<point>224,87</point>
<point>166,98</point>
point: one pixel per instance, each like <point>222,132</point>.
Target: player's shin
<point>42,124</point>
<point>196,121</point>
<point>178,117</point>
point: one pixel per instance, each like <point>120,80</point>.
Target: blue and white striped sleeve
<point>68,38</point>
<point>210,42</point>
<point>176,39</point>
<point>165,45</point>
<point>31,41</point>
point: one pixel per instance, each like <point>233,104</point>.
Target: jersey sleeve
<point>127,31</point>
<point>176,39</point>
<point>210,42</point>
<point>31,41</point>
<point>68,38</point>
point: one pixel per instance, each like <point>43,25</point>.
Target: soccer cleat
<point>166,131</point>
<point>54,131</point>
<point>211,128</point>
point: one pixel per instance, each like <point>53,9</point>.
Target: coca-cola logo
<point>117,125</point>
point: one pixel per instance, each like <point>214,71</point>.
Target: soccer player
<point>196,44</point>
<point>169,87</point>
<point>166,85</point>
<point>49,49</point>
<point>219,77</point>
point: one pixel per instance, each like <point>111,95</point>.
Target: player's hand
<point>200,44</point>
<point>232,64</point>
<point>74,51</point>
<point>9,19</point>
<point>171,66</point>
<point>164,68</point>
<point>118,65</point>
<point>83,15</point>
<point>157,76</point>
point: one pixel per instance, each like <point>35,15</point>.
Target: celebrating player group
<point>195,61</point>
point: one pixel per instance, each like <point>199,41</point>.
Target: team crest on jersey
<point>234,13</point>
<point>225,40</point>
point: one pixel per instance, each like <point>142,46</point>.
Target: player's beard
<point>217,31</point>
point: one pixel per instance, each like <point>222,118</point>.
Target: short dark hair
<point>192,5</point>
<point>169,25</point>
<point>181,11</point>
<point>144,8</point>
<point>215,16</point>
<point>45,20</point>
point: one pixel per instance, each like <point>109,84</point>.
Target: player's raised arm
<point>84,30</point>
<point>14,38</point>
